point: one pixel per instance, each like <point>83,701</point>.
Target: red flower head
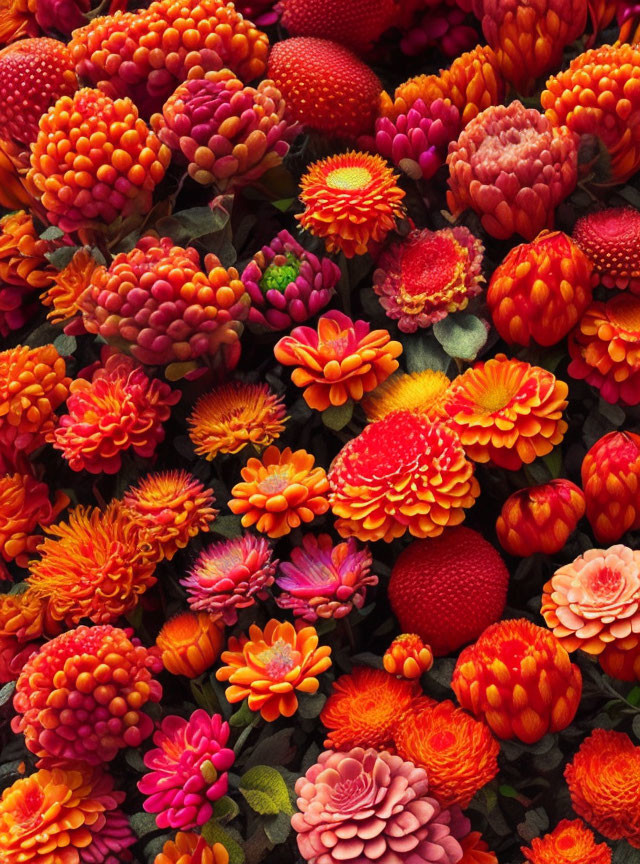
<point>569,843</point>
<point>65,16</point>
<point>611,240</point>
<point>24,507</point>
<point>408,656</point>
<point>356,23</point>
<point>611,483</point>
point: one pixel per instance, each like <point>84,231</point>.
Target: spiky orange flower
<point>190,643</point>
<point>17,19</point>
<point>568,843</point>
<point>65,293</point>
<point>507,411</point>
<point>24,505</point>
<point>459,754</point>
<point>604,782</point>
<point>611,483</point>
<point>190,848</point>
<point>364,708</point>
<point>476,851</point>
<point>597,95</point>
<point>341,360</point>
<point>540,290</point>
<point>519,679</point>
<point>280,491</point>
<point>95,565</point>
<point>268,667</point>
<point>351,200</point>
<point>22,252</point>
<point>172,506</point>
<point>418,391</point>
<point>407,656</point>
<point>402,473</point>
<point>611,240</point>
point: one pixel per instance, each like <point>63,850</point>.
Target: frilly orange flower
<point>24,505</point>
<point>417,391</point>
<point>190,643</point>
<point>17,19</point>
<point>568,843</point>
<point>476,851</point>
<point>64,295</point>
<point>189,848</point>
<point>22,252</point>
<point>407,656</point>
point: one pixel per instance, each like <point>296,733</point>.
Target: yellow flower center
<point>278,660</point>
<point>495,399</point>
<point>276,482</point>
<point>349,178</point>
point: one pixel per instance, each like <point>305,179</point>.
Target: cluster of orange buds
<point>611,483</point>
<point>408,656</point>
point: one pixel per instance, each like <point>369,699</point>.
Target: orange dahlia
<point>604,782</point>
<point>190,643</point>
<point>620,662</point>
<point>233,415</point>
<point>280,491</point>
<point>364,708</point>
<point>418,391</point>
<point>64,295</point>
<point>351,200</point>
<point>67,815</point>
<point>190,848</point>
<point>25,507</point>
<point>269,666</point>
<point>519,679</point>
<point>568,843</point>
<point>597,95</point>
<point>540,290</point>
<point>172,507</point>
<point>402,473</point>
<point>408,656</point>
<point>476,851</point>
<point>611,483</point>
<point>540,518</point>
<point>610,238</point>
<point>95,565</point>
<point>363,359</point>
<point>507,411</point>
<point>459,754</point>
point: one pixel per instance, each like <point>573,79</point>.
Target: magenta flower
<point>287,284</point>
<point>323,580</point>
<point>63,16</point>
<point>187,770</point>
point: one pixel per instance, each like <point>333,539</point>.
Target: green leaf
<point>143,824</point>
<point>310,707</point>
<point>283,204</point>
<point>277,828</point>
<point>265,790</point>
<point>225,809</point>
<point>65,345</point>
<point>535,823</point>
<point>185,226</point>
<point>243,717</point>
<point>553,461</point>
<point>424,352</point>
<point>462,335</point>
<point>134,760</point>
<point>52,233</point>
<point>214,833</point>
<point>636,726</point>
<point>6,692</point>
<point>59,258</point>
<point>177,371</point>
<point>508,792</point>
<point>336,417</point>
<point>272,748</point>
<point>227,526</point>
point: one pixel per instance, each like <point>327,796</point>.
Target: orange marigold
<point>341,360</point>
<point>25,506</point>
<point>351,200</point>
<point>64,295</point>
<point>280,491</point>
<point>407,656</point>
<point>611,482</point>
<point>507,411</point>
<point>268,667</point>
<point>418,391</point>
<point>604,782</point>
<point>189,848</point>
<point>190,643</point>
<point>459,754</point>
<point>568,843</point>
<point>476,851</point>
<point>364,708</point>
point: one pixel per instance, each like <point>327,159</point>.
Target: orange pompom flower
<point>190,643</point>
<point>507,411</point>
<point>24,507</point>
<point>190,848</point>
<point>408,656</point>
<point>610,238</point>
<point>611,483</point>
<point>172,507</point>
<point>64,295</point>
<point>519,679</point>
<point>540,518</point>
<point>604,782</point>
<point>351,200</point>
<point>568,843</point>
<point>476,851</point>
<point>269,667</point>
<point>540,290</point>
<point>459,754</point>
<point>402,473</point>
<point>364,708</point>
<point>341,360</point>
<point>280,491</point>
<point>416,391</point>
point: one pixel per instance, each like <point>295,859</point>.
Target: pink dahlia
<point>364,806</point>
<point>187,769</point>
<point>287,284</point>
<point>230,575</point>
<point>323,580</point>
<point>429,274</point>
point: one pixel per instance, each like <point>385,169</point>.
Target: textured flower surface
<point>187,769</point>
<point>23,269</point>
<point>356,23</point>
<point>189,848</point>
<point>507,411</point>
<point>80,697</point>
<point>422,392</point>
<point>190,643</point>
<point>513,168</point>
<point>17,19</point>
<point>610,238</point>
<point>611,482</point>
<point>620,662</point>
<point>407,656</point>
<point>24,621</point>
<point>519,679</point>
<point>25,507</point>
<point>373,806</point>
<point>341,360</point>
<point>65,16</point>
<point>64,295</point>
<point>269,667</point>
<point>570,842</point>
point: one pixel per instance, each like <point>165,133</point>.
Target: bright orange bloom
<point>407,656</point>
<point>189,848</point>
<point>190,643</point>
<point>604,782</point>
<point>540,518</point>
<point>459,754</point>
<point>95,565</point>
<point>611,240</point>
<point>611,483</point>
<point>620,662</point>
<point>22,253</point>
<point>24,621</point>
<point>364,708</point>
<point>13,189</point>
<point>341,360</point>
<point>351,200</point>
<point>64,295</point>
<point>519,679</point>
<point>418,391</point>
<point>507,411</point>
<point>476,851</point>
<point>17,19</point>
<point>24,506</point>
<point>568,843</point>
<point>268,667</point>
<point>602,13</point>
<point>280,491</point>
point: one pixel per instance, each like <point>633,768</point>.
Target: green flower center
<point>281,272</point>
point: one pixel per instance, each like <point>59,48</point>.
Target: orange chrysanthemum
<point>280,491</point>
<point>351,200</point>
<point>364,708</point>
<point>226,419</point>
<point>459,754</point>
<point>17,19</point>
<point>418,391</point>
<point>189,848</point>
<point>507,411</point>
<point>476,851</point>
<point>611,482</point>
<point>341,360</point>
<point>95,565</point>
<point>64,295</point>
<point>172,507</point>
<point>268,667</point>
<point>604,782</point>
<point>408,656</point>
<point>22,253</point>
<point>190,643</point>
<point>24,506</point>
<point>568,843</point>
